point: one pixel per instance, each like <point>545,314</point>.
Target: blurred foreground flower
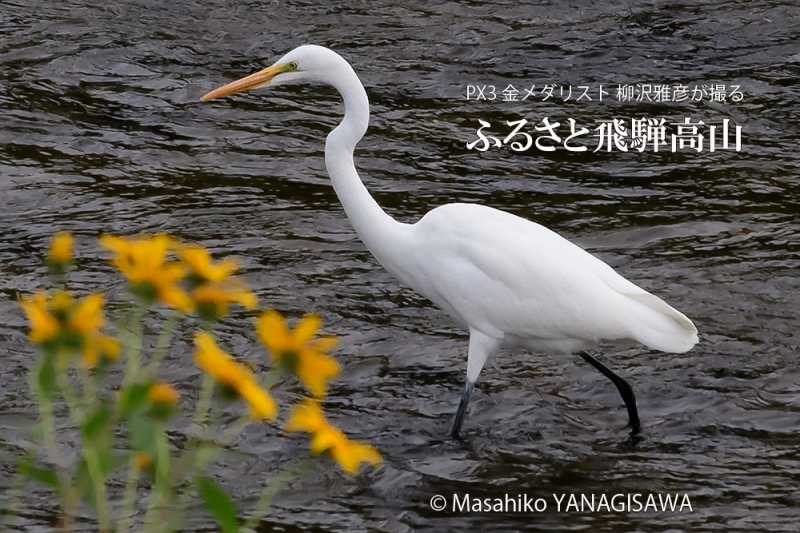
<point>59,323</point>
<point>308,417</point>
<point>213,288</point>
<point>59,255</point>
<point>236,379</point>
<point>142,460</point>
<point>203,268</point>
<point>138,406</point>
<point>144,263</point>
<point>214,299</point>
<point>163,394</point>
<point>163,398</point>
<point>298,351</point>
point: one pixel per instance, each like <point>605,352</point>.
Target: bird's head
<point>305,64</point>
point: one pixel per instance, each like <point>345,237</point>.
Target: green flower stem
<point>207,454</point>
<point>89,449</point>
<point>163,342</point>
<point>49,436</point>
<point>129,497</point>
<point>197,433</point>
<point>203,403</point>
<point>89,391</point>
<point>99,483</point>
<point>272,488</point>
<point>134,333</point>
<point>69,495</point>
<point>159,499</point>
<point>67,391</point>
<point>203,455</point>
<point>162,461</point>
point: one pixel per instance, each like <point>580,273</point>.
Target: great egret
<point>510,281</point>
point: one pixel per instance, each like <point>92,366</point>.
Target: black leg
<point>462,410</point>
<point>624,388</point>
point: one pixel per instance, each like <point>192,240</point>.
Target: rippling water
<point>101,130</point>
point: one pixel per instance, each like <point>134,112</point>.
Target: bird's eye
<point>292,65</point>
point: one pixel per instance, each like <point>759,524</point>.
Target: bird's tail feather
<point>661,326</point>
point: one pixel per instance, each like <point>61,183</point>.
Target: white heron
<point>509,281</point>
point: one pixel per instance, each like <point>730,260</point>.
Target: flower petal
<point>307,328</point>
<point>273,332</point>
<point>306,417</point>
<point>315,370</point>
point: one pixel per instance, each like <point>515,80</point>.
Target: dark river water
<point>101,131</point>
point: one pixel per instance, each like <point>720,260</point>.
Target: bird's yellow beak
<point>252,81</point>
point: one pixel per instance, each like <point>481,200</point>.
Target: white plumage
<point>505,276</point>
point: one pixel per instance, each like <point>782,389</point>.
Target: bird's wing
<point>505,275</point>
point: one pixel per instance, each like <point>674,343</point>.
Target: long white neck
<point>379,231</point>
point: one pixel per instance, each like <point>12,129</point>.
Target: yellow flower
<point>348,453</point>
<point>61,246</point>
<point>234,376</point>
<point>308,417</point>
<point>262,406</point>
<point>198,259</point>
<point>44,326</point>
<point>144,263</point>
<point>61,322</point>
<point>97,347</point>
<point>86,319</point>
<point>315,369</point>
<point>298,350</point>
<point>142,460</point>
<point>162,394</point>
<point>214,298</point>
<point>87,315</point>
<point>213,288</point>
<point>215,362</point>
<point>60,304</point>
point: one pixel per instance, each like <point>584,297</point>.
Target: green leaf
<point>96,422</point>
<point>46,476</point>
<point>83,482</point>
<point>113,460</point>
<point>133,398</point>
<point>143,433</point>
<point>218,503</point>
<point>46,377</point>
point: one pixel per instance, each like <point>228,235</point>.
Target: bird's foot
<point>635,436</point>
